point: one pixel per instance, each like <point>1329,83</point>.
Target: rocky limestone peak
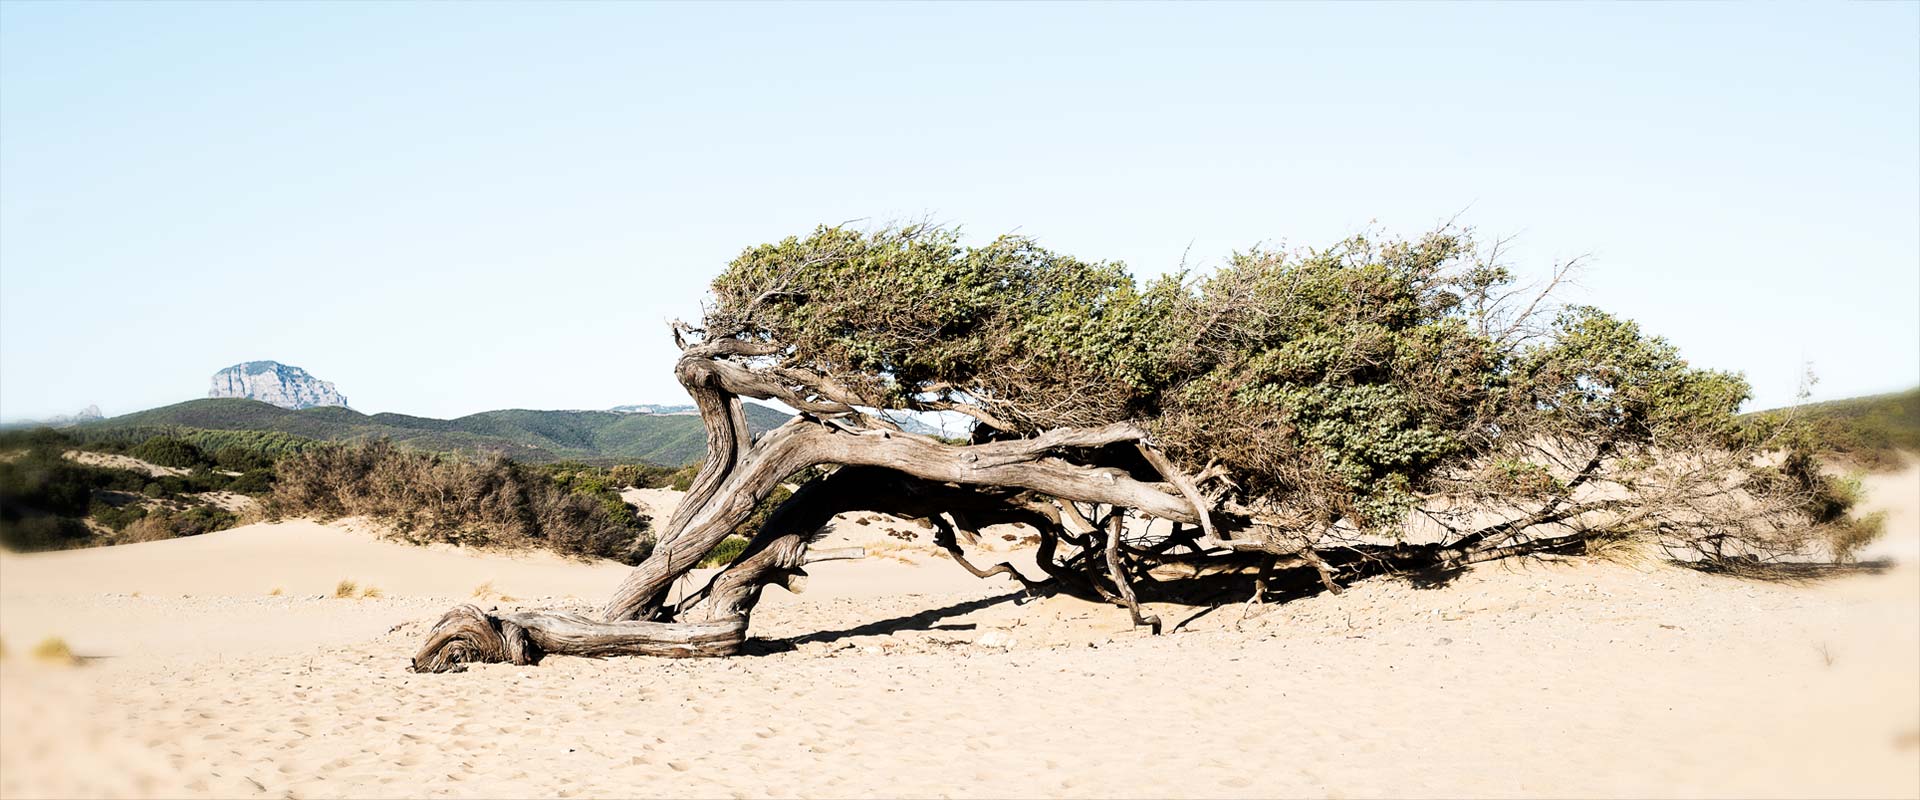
<point>273,382</point>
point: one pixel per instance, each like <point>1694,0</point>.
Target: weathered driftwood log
<point>468,635</point>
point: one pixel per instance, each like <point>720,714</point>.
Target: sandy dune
<point>129,463</point>
<point>908,678</point>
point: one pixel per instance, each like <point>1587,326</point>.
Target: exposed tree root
<point>944,537</point>
<point>468,635</point>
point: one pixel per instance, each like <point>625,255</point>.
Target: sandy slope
<point>908,678</point>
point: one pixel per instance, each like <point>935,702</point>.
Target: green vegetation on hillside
<point>1868,431</point>
<point>602,437</point>
<point>259,447</point>
<point>49,502</point>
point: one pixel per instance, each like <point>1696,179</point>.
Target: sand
<point>129,463</point>
<point>903,676</point>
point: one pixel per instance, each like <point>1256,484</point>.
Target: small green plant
<point>344,590</point>
<point>725,552</point>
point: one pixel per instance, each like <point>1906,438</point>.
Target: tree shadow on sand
<point>928,620</point>
<point>1786,572</point>
<point>1209,593</point>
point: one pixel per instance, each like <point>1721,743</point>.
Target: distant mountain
<point>88,414</point>
<point>533,436</point>
<point>648,408</point>
<point>276,383</point>
<point>945,424</point>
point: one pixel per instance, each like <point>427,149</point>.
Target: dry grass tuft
<point>371,592</point>
<point>482,591</point>
<point>55,649</point>
<point>344,590</point>
<point>277,591</point>
<point>895,550</point>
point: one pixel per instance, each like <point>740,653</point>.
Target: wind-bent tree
<point>1370,407</point>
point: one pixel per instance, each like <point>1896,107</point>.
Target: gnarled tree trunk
<point>1036,480</point>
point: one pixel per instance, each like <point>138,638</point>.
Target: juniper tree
<point>1373,406</point>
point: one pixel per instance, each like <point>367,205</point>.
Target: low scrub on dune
<point>431,497</point>
<point>1870,432</point>
<point>51,502</point>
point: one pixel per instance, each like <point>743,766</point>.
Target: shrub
<point>241,459</point>
<point>645,476</point>
<point>1847,536</point>
<point>43,481</point>
<point>169,452</point>
<point>253,482</point>
<point>163,523</point>
<point>151,528</point>
<point>201,519</point>
<point>114,517</point>
<point>43,532</point>
<point>725,552</point>
<point>437,498</point>
<point>682,479</point>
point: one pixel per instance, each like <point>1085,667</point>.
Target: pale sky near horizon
<point>449,208</point>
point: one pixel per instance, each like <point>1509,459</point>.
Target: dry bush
<point>436,498</point>
<point>344,590</point>
<point>146,529</point>
<point>1846,538</point>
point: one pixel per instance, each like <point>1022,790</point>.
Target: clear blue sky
<point>449,208</point>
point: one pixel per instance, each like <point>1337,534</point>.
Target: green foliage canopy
<point>1336,383</point>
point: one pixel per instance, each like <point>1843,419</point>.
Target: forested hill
<point>523,435</point>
